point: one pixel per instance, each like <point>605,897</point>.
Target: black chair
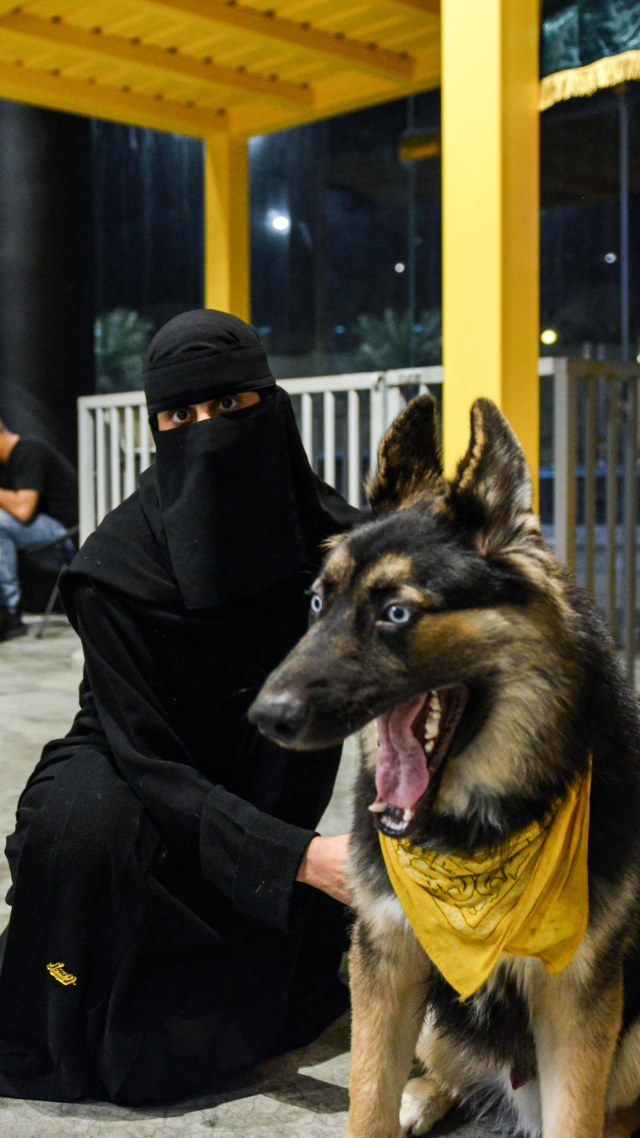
<point>66,534</point>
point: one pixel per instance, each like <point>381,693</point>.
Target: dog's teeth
<point>432,722</point>
<point>408,815</point>
<point>429,745</point>
<point>378,807</point>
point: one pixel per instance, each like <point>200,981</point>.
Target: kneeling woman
<point>163,932</point>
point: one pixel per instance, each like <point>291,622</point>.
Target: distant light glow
<point>611,258</point>
<point>549,336</point>
<point>339,329</point>
<point>399,266</point>
<point>281,222</point>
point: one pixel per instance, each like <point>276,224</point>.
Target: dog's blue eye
<point>398,614</point>
<point>316,604</point>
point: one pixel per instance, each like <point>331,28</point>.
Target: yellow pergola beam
<point>490,129</point>
<point>227,225</point>
<point>118,104</point>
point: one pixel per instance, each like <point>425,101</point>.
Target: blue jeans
<point>17,536</point>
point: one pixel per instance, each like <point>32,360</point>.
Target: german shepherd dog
<point>446,625</point>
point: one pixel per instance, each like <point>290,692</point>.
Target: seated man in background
<point>38,503</point>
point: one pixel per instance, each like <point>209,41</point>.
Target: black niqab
<point>239,503</point>
<point>228,505</point>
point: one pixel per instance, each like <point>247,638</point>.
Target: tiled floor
<point>303,1093</point>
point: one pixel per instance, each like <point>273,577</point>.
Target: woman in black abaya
<point>174,914</point>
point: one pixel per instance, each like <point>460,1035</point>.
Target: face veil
<point>228,506</point>
<point>240,506</point>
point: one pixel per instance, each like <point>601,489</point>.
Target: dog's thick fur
<point>452,584</point>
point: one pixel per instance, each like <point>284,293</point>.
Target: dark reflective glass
<point>590,185</point>
<point>149,242</point>
<point>345,240</point>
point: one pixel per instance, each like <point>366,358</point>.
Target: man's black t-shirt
<point>35,465</point>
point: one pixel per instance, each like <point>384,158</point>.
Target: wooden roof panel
<point>267,67</point>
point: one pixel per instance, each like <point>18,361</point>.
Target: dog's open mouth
<point>413,741</point>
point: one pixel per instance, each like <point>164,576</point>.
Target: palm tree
<point>385,341</point>
<point>120,337</point>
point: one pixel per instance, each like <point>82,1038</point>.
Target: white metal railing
<point>593,518</point>
<point>341,417</point>
<point>595,512</point>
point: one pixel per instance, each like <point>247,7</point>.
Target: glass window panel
<point>345,240</point>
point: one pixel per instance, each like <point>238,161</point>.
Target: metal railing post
<point>564,454</point>
<point>612,507</point>
<point>377,419</point>
<point>86,472</point>
<point>630,527</point>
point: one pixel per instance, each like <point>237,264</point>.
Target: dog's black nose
<point>279,717</point>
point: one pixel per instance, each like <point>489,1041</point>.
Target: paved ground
<point>301,1094</point>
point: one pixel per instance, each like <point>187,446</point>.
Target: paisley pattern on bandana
<point>474,891</point>
<point>528,897</point>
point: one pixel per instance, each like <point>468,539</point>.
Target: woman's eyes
<point>183,415</point>
<point>193,413</point>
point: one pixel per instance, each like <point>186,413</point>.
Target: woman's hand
<point>323,866</point>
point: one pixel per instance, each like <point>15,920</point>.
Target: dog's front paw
<point>424,1102</point>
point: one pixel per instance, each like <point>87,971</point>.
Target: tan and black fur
<point>451,588</point>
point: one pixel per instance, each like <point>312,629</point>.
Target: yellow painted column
<point>227,225</point>
<point>490,130</point>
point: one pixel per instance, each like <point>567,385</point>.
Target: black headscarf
<point>200,355</point>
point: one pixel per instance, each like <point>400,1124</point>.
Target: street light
<point>281,222</point>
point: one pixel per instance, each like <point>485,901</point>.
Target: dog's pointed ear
<point>491,493</point>
<point>409,462</point>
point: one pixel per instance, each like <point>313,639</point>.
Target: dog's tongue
<point>401,774</point>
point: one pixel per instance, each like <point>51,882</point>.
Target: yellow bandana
<point>528,897</point>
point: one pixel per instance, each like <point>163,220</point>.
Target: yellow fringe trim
<point>578,82</point>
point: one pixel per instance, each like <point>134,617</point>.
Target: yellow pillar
<point>490,129</point>
<point>227,225</point>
